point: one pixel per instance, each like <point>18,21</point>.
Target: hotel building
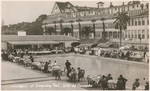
<point>137,29</point>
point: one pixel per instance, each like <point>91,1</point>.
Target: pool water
<point>95,66</point>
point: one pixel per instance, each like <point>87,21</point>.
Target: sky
<point>13,12</point>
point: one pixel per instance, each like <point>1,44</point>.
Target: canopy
<point>31,42</point>
<point>124,47</point>
<point>75,43</point>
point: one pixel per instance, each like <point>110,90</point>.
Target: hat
<point>136,79</point>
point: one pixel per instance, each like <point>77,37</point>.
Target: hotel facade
<point>137,29</point>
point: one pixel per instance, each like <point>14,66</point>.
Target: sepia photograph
<point>75,45</point>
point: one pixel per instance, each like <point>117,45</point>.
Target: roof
<point>134,2</point>
<point>37,38</point>
<point>64,5</point>
<point>84,8</point>
<point>31,42</point>
<point>100,3</point>
<point>146,13</point>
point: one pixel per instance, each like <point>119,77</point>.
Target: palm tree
<point>94,27</point>
<point>79,20</point>
<point>103,34</point>
<point>67,30</point>
<point>121,22</point>
<point>55,26</point>
<point>71,21</point>
<point>86,30</point>
<point>50,30</point>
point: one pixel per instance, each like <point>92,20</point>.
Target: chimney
<point>100,5</point>
<point>111,4</point>
<point>123,3</point>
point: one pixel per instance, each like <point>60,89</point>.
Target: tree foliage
<point>86,30</point>
<point>33,28</point>
<point>121,22</point>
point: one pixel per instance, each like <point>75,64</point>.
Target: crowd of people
<point>76,75</point>
<point>108,83</point>
<point>72,74</point>
<point>114,53</point>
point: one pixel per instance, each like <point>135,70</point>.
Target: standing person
<point>103,82</point>
<point>108,77</point>
<point>31,58</point>
<point>45,67</point>
<point>147,86</point>
<point>81,73</point>
<point>124,81</point>
<point>144,53</point>
<point>68,64</point>
<point>68,72</point>
<point>120,84</point>
<point>54,63</point>
<point>128,55</point>
<point>135,84</point>
<point>73,75</point>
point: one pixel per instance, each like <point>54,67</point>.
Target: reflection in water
<point>100,66</point>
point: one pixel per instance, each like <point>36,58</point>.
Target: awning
<point>31,42</point>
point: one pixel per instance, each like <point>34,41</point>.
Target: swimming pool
<point>101,66</point>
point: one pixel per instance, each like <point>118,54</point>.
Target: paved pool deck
<point>16,77</point>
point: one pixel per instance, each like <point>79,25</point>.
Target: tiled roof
<point>64,5</point>
<point>84,8</point>
<point>37,38</point>
<point>146,13</point>
<point>100,3</point>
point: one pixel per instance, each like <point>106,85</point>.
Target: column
<point>92,35</point>
<point>127,34</point>
<point>145,34</point>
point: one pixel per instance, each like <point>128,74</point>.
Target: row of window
<point>138,21</point>
<point>137,34</point>
<point>109,10</point>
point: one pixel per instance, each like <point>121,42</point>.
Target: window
<point>139,23</point>
<point>129,23</point>
<point>135,23</point>
<point>147,22</point>
<point>133,6</point>
<point>126,35</point>
<point>147,34</point>
<point>132,22</point>
<point>137,5</point>
<point>132,36</point>
<point>135,36</point>
<point>143,36</point>
<point>143,22</point>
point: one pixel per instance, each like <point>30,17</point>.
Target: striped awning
<point>31,42</point>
